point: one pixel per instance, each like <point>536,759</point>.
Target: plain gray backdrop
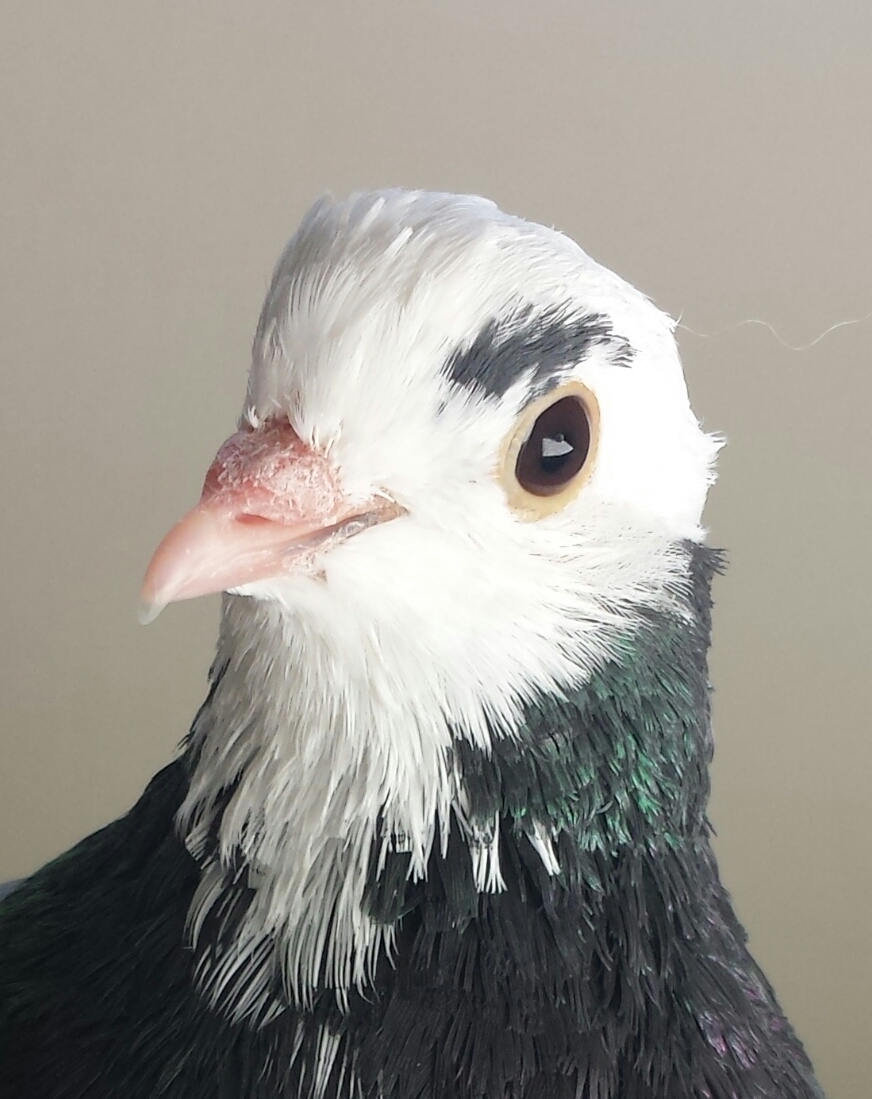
<point>156,155</point>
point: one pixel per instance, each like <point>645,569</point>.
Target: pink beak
<point>268,503</point>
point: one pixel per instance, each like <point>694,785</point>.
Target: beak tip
<point>148,611</point>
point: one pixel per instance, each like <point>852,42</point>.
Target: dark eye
<point>556,448</point>
<point>550,452</point>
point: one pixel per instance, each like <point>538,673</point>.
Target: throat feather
<point>289,802</point>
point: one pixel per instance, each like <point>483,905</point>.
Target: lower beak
<point>269,504</point>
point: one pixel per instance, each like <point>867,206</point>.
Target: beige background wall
<point>156,154</point>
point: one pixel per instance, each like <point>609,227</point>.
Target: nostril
<point>249,520</point>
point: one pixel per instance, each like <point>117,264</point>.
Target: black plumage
<point>625,976</point>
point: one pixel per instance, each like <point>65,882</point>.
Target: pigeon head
<point>465,459</point>
<point>465,472</point>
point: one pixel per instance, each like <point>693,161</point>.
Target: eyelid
<point>527,506</point>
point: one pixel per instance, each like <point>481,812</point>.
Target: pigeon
<point>439,829</point>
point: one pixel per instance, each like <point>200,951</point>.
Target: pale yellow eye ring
<point>530,506</point>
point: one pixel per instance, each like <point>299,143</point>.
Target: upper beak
<point>268,502</point>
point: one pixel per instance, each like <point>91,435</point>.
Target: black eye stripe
<point>556,449</point>
<point>538,345</point>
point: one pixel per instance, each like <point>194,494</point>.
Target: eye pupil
<point>556,448</point>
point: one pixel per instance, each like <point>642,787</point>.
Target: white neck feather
<point>327,743</point>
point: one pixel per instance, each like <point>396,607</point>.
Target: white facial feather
<point>346,687</point>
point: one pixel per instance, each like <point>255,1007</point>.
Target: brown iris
<point>556,448</point>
